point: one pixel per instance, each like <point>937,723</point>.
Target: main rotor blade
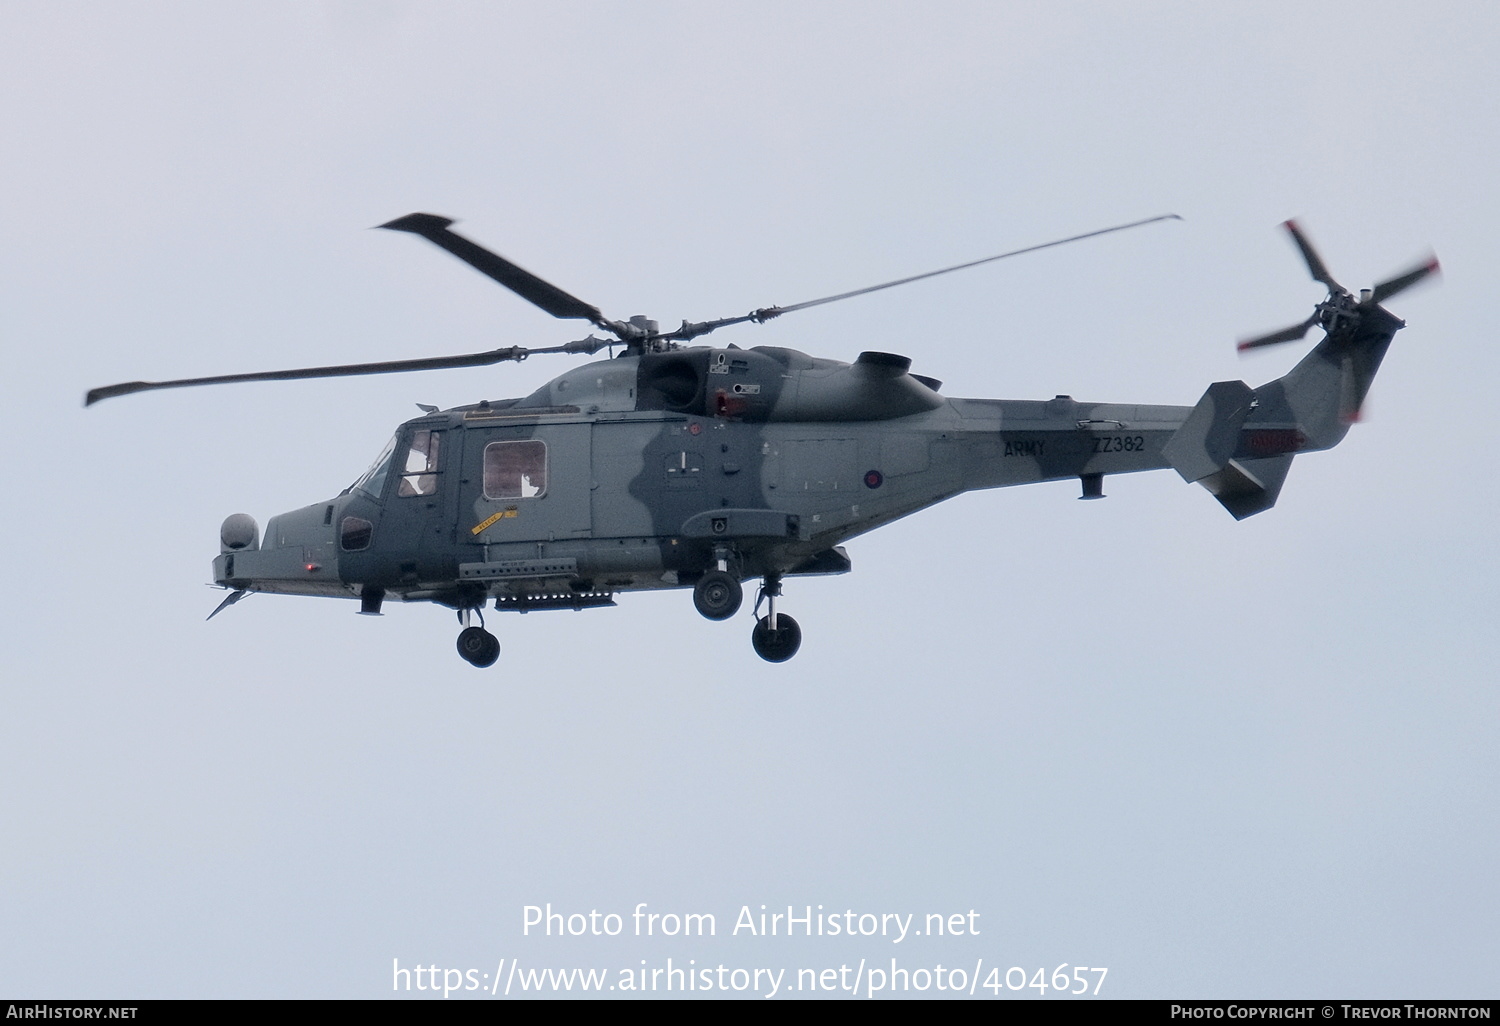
<point>1275,338</point>
<point>777,311</point>
<point>519,280</point>
<point>589,345</point>
<point>1314,262</point>
<point>1386,289</point>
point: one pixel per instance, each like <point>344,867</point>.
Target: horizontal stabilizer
<point>1208,438</point>
<point>1203,449</point>
<point>1248,487</point>
<point>829,561</point>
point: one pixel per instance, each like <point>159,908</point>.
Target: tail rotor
<point>1340,315</point>
<point>1340,311</point>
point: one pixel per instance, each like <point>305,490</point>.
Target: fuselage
<point>643,471</point>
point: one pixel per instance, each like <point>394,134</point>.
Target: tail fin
<point>1323,394</point>
<point>1238,442</point>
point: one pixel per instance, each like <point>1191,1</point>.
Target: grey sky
<point>1220,759</point>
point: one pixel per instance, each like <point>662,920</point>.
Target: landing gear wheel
<point>717,595</point>
<point>478,646</point>
<point>779,645</point>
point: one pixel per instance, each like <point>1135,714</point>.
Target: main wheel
<point>779,645</point>
<point>478,646</point>
<point>717,595</point>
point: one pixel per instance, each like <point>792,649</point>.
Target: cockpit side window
<point>515,470</point>
<point>420,468</point>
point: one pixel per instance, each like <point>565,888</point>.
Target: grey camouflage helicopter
<point>677,466</point>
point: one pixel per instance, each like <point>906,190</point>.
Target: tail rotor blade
<point>1314,262</point>
<point>1276,338</point>
<point>1355,330</point>
<point>1386,289</point>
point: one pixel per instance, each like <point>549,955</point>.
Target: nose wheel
<point>477,646</point>
<point>776,636</point>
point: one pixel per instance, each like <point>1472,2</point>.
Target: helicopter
<point>670,465</point>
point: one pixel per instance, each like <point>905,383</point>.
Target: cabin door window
<point>515,470</point>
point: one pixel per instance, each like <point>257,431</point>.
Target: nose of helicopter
<point>298,555</point>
